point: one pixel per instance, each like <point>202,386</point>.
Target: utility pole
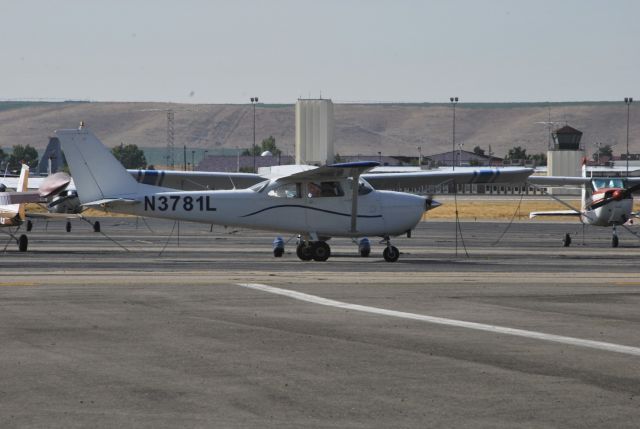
<point>628,101</point>
<point>454,101</point>
<point>170,140</point>
<point>254,100</point>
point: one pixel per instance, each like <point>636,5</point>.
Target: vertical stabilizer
<point>97,174</point>
<point>23,183</point>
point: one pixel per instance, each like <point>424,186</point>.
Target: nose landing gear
<point>390,253</point>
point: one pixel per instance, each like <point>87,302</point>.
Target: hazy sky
<point>351,50</point>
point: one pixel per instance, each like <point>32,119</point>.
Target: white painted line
<point>611,347</point>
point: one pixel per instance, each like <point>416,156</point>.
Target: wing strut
<point>354,201</point>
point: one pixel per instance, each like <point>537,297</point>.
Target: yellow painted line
<point>10,284</point>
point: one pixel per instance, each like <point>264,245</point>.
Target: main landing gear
<point>316,250</point>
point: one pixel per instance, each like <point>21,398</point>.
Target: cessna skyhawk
<point>316,203</point>
<point>606,202</point>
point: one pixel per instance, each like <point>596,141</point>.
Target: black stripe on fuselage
<point>310,208</point>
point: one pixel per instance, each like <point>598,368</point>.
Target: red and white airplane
<point>606,201</point>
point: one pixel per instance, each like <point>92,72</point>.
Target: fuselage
<point>615,212</point>
<point>289,207</point>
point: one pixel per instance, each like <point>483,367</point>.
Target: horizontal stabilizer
<point>555,213</point>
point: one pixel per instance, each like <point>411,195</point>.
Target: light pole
<point>420,156</point>
<point>254,100</point>
<point>454,101</point>
<point>598,145</point>
<point>380,158</point>
<point>628,101</point>
<point>460,145</point>
<point>193,160</point>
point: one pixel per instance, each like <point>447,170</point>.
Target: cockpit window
<point>324,189</point>
<point>363,186</point>
<point>286,190</point>
<point>607,183</point>
<point>259,187</point>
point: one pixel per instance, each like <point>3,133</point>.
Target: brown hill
<point>393,129</point>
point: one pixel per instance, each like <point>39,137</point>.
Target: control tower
<point>564,156</point>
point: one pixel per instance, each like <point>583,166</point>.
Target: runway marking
<point>11,284</point>
<point>611,347</point>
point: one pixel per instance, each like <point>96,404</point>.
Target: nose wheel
<point>614,237</point>
<point>390,253</point>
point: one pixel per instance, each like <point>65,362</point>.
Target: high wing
<point>196,180</point>
<point>571,213</point>
<point>332,171</point>
<point>461,176</point>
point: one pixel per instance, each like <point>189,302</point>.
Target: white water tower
<point>314,131</point>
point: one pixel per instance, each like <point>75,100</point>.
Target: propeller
<point>54,184</point>
<point>617,195</point>
<point>430,203</point>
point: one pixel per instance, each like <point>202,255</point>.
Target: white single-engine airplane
<point>606,202</point>
<point>317,203</point>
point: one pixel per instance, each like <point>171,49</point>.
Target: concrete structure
<point>314,132</point>
<point>565,156</point>
<point>463,158</point>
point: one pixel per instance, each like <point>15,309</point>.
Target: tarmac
<point>137,329</point>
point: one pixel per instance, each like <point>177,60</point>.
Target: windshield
<point>363,186</point>
<point>258,187</point>
<point>607,183</point>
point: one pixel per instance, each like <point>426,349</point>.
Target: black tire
<point>320,251</point>
<point>391,253</point>
<point>278,252</point>
<point>566,241</point>
<point>365,253</point>
<point>303,252</point>
<point>23,243</point>
<point>614,241</point>
<point>68,228</point>
<point>29,225</point>
<point>96,226</point>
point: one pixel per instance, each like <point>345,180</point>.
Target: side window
<point>324,189</point>
<point>287,190</point>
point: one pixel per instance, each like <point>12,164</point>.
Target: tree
<point>539,158</point>
<point>270,144</point>
<point>603,151</point>
<point>20,154</point>
<point>517,153</point>
<point>267,144</point>
<point>478,151</point>
<point>130,156</point>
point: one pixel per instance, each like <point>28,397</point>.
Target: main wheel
<point>320,251</point>
<point>96,226</point>
<point>303,252</point>
<point>29,225</point>
<point>23,243</point>
<point>566,241</point>
<point>365,252</point>
<point>614,241</point>
<point>278,252</point>
<point>68,227</point>
<point>391,253</point>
